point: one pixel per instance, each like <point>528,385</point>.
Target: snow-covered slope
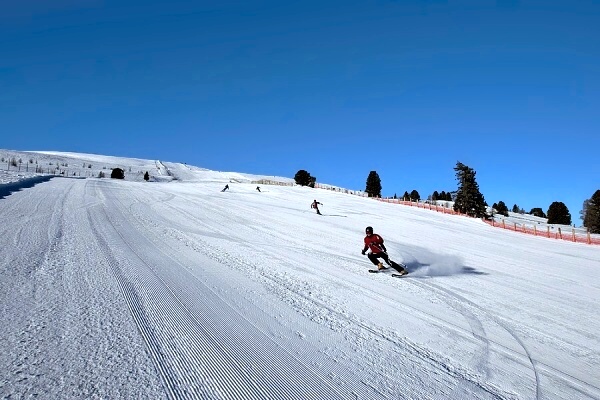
<point>32,163</point>
<point>126,289</point>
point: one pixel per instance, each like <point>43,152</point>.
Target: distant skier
<point>374,242</point>
<point>315,205</point>
<point>225,188</point>
<point>258,188</point>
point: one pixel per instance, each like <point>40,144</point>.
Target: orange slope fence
<point>559,233</point>
<point>549,232</point>
<point>427,206</point>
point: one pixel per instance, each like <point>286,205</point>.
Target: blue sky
<point>339,88</point>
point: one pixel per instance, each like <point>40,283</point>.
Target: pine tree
<point>583,211</point>
<point>592,214</point>
<point>558,213</point>
<point>537,212</point>
<point>469,199</point>
<point>373,185</point>
<point>302,178</point>
<point>117,173</point>
<point>515,208</point>
<point>406,196</point>
<point>435,196</point>
<point>501,208</point>
<point>415,196</point>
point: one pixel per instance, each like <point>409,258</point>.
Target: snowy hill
<point>174,289</point>
<point>91,165</point>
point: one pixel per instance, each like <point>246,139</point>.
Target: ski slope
<point>175,290</point>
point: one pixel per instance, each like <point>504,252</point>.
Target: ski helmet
<point>369,229</point>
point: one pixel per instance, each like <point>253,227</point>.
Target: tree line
<point>469,200</point>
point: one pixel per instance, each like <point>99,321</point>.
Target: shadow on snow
<point>6,189</point>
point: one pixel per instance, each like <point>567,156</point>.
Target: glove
<point>363,252</point>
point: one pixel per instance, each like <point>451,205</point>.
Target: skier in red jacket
<point>374,242</point>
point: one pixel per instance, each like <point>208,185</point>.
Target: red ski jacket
<point>375,243</point>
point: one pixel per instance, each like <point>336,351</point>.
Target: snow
<point>174,289</point>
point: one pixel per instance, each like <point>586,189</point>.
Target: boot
<point>380,266</point>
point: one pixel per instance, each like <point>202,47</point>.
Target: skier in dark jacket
<point>225,188</point>
<point>258,188</point>
<point>315,205</point>
<point>374,242</point>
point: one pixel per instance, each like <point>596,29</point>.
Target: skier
<point>225,188</point>
<point>315,205</point>
<point>374,242</point>
<point>258,188</point>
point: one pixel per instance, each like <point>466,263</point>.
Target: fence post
<point>503,224</point>
<point>589,237</point>
<point>559,233</point>
<point>574,239</point>
<point>548,231</point>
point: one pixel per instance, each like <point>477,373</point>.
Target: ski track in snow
<point>585,389</point>
<point>334,317</point>
<point>56,307</point>
<point>201,311</point>
<point>234,358</point>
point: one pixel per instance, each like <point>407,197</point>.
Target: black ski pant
<point>374,257</point>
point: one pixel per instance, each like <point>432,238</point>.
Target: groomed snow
<point>173,289</point>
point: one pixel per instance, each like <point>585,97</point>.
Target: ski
<point>394,275</point>
<point>395,265</point>
<point>399,267</point>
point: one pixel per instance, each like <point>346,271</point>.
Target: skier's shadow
<point>472,271</point>
<point>425,270</point>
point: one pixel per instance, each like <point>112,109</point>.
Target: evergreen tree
<point>558,213</point>
<point>302,178</point>
<point>515,208</point>
<point>117,173</point>
<point>537,212</point>
<point>583,211</point>
<point>435,196</point>
<point>373,185</point>
<point>592,215</point>
<point>406,196</point>
<point>501,208</point>
<point>469,199</point>
<point>415,196</point>
<point>146,176</point>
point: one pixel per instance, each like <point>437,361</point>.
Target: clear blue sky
<point>339,88</point>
